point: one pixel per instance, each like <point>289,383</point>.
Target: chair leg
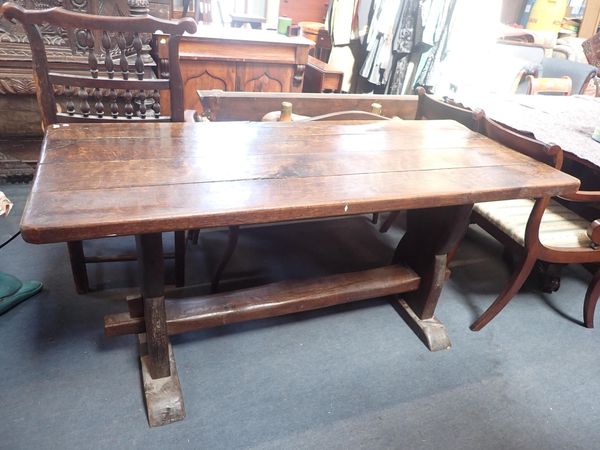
<point>591,298</point>
<point>234,233</point>
<point>375,218</point>
<point>516,281</point>
<point>389,221</point>
<point>77,258</point>
<point>179,258</point>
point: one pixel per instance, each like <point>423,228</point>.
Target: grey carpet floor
<point>348,377</point>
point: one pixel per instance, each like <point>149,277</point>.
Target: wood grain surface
<point>113,179</point>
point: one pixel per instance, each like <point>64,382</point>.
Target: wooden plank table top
<point>114,179</point>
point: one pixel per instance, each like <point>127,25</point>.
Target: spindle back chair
<point>117,86</point>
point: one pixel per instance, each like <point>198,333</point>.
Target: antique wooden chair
<point>428,107</point>
<point>541,229</point>
<point>549,86</point>
<point>115,87</point>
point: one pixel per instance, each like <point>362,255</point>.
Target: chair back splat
<point>118,84</point>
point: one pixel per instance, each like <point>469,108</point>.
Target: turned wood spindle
<point>142,98</point>
<point>69,91</point>
<point>156,104</point>
<point>108,62</point>
<point>92,59</point>
<point>85,106</point>
<point>123,57</point>
<point>99,106</point>
<point>114,108</point>
<point>128,104</point>
<point>139,63</point>
<point>286,112</point>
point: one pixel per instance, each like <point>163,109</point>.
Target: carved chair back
<point>115,86</point>
<point>434,109</point>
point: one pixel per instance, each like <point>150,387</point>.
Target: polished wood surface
<point>111,179</point>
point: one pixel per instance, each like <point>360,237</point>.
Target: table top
<point>97,180</point>
<point>216,32</point>
<point>568,121</point>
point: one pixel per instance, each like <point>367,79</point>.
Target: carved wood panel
<point>207,75</point>
<point>265,77</point>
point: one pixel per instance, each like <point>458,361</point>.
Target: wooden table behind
<point>568,121</point>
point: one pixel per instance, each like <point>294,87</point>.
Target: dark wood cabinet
<point>234,59</point>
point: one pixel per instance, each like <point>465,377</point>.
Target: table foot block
<point>164,400</point>
<point>432,332</point>
<point>271,300</point>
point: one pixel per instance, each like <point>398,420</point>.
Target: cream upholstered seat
<point>560,227</point>
<point>538,230</point>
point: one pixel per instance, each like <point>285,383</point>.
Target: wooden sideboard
<point>233,59</point>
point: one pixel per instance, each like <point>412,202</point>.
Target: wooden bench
<point>218,105</point>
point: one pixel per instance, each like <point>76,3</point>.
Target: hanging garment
<point>435,36</point>
<point>347,23</point>
<point>408,31</point>
<point>379,41</point>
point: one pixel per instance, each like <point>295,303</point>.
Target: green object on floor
<point>13,291</point>
<point>8,285</point>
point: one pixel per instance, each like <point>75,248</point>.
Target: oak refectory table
<point>112,179</point>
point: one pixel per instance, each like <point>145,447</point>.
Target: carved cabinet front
<point>237,60</point>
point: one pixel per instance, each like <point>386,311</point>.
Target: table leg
<point>164,401</point>
<point>430,235</point>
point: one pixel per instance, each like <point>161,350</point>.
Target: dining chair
<point>541,229</point>
<point>234,231</point>
<point>549,86</point>
<point>429,107</point>
<point>116,86</point>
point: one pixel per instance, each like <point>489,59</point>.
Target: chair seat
<point>560,226</point>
